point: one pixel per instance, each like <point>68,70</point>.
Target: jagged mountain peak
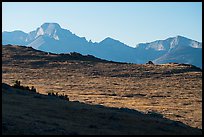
<point>179,37</point>
<point>46,26</point>
<point>110,40</point>
<point>170,43</point>
<point>182,38</point>
<point>49,29</point>
<point>183,41</point>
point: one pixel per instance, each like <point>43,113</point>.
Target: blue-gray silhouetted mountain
<point>50,37</point>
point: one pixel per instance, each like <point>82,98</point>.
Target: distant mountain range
<point>50,37</point>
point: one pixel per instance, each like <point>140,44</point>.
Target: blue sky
<point>129,22</point>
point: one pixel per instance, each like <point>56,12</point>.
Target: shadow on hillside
<point>116,119</point>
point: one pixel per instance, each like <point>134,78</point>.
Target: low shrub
<point>17,85</point>
<point>62,96</point>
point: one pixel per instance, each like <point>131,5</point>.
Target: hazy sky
<point>129,22</point>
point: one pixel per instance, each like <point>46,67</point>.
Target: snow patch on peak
<point>174,42</point>
<point>56,37</point>
<point>160,47</point>
<point>195,44</point>
<point>157,45</point>
<point>40,31</point>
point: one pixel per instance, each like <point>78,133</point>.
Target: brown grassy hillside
<point>174,90</point>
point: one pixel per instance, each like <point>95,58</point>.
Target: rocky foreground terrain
<point>173,90</point>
